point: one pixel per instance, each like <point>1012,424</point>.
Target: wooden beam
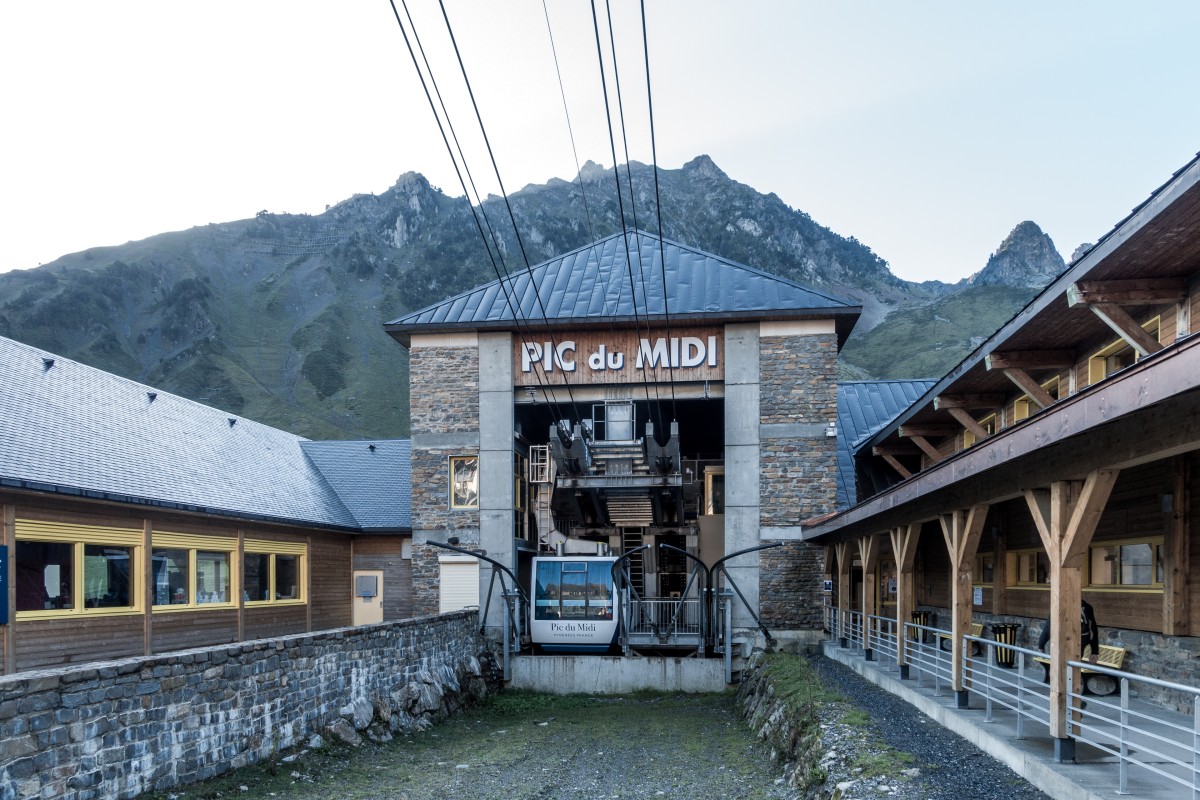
<point>901,449</point>
<point>968,422</point>
<point>1030,359</point>
<point>987,400</point>
<point>1029,386</point>
<point>8,537</point>
<point>1066,516</point>
<point>896,465</point>
<point>930,429</point>
<point>934,454</point>
<point>868,554</point>
<point>1176,550</point>
<point>148,588</point>
<point>1127,328</point>
<point>904,549</point>
<point>1135,292</point>
<point>843,589</point>
<point>962,530</point>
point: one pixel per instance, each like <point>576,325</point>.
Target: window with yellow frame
<point>1028,568</point>
<point>1118,355</point>
<point>190,572</point>
<point>990,423</point>
<point>1133,564</point>
<point>274,572</point>
<point>64,570</point>
<point>1023,406</point>
<point>984,571</point>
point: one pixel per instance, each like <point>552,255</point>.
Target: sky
<point>926,130</point>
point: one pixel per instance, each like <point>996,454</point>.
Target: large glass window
<point>256,577</point>
<point>45,575</point>
<point>1127,564</point>
<point>1033,567</point>
<point>464,482</point>
<point>573,590</point>
<point>273,577</point>
<point>170,577</point>
<point>74,576</point>
<point>106,576</point>
<point>213,577</point>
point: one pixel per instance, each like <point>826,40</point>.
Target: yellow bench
<point>945,640</point>
<point>1094,682</point>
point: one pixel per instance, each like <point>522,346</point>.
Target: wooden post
<point>148,594</point>
<point>868,554</point>
<point>1066,516</point>
<point>827,574</point>
<point>904,550</point>
<point>8,537</point>
<point>307,583</point>
<point>238,590</point>
<point>1176,551</point>
<point>1000,577</point>
<point>962,530</point>
<point>843,590</point>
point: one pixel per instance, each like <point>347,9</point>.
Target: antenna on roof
<point>47,363</point>
<point>232,422</point>
<point>152,396</point>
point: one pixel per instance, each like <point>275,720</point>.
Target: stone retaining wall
<point>116,729</point>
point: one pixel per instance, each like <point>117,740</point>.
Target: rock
<point>315,742</point>
<point>359,713</point>
<point>341,729</point>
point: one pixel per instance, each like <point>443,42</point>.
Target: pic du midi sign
<point>692,354</point>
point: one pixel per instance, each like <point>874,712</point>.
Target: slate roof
<point>593,284</point>
<point>71,429</point>
<point>865,407</point>
<point>372,478</point>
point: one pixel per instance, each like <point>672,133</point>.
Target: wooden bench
<point>1094,682</point>
<point>946,641</point>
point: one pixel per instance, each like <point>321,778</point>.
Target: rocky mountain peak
<point>703,165</point>
<point>1026,258</point>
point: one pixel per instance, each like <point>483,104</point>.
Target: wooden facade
<point>94,634</point>
<point>1058,463</point>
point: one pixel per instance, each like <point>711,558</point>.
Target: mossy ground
<point>526,745</point>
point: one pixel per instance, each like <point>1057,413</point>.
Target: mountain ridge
<point>279,317</point>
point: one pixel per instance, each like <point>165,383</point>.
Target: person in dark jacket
<point>1089,632</point>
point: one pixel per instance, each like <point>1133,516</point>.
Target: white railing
<point>881,638</point>
<point>665,617</point>
<point>997,674</point>
<point>1151,741</point>
<point>831,621</point>
<point>925,657</point>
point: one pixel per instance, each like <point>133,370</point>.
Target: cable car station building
<point>632,392</point>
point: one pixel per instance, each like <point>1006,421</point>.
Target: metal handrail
<point>719,566</point>
<point>1128,733</point>
<point>924,655</point>
<point>705,590</point>
<point>881,637</point>
<point>1008,687</point>
<point>624,590</point>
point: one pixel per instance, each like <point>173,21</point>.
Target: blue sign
<point>3,584</point>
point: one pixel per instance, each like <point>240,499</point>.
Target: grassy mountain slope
<point>279,318</point>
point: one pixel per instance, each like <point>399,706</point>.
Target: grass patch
<point>795,681</point>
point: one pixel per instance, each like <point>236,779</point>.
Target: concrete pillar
<point>495,463</point>
<point>741,461</point>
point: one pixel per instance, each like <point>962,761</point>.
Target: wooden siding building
<point>1058,462</point>
<point>134,521</point>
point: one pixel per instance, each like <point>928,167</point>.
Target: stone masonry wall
<point>797,378</point>
<point>117,729</point>
<point>790,586</point>
<point>797,471</point>
<point>444,389</point>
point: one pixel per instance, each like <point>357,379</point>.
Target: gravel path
<point>950,768</point>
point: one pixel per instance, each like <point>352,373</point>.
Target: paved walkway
<point>1095,773</point>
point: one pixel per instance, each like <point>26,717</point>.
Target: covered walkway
<point>1158,758</point>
